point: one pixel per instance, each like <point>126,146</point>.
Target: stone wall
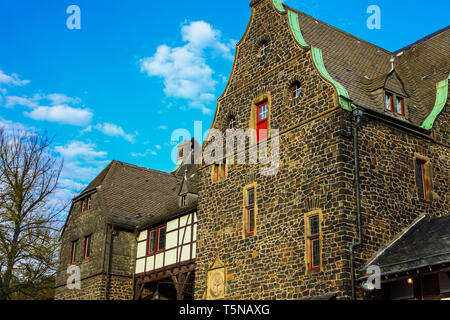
<point>94,288</point>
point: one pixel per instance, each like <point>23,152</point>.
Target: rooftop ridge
<point>143,168</point>
<point>427,37</point>
<point>340,30</point>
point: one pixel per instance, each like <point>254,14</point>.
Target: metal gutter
<point>357,113</point>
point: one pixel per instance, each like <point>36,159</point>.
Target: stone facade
<point>112,255</point>
<point>94,288</point>
<point>316,174</point>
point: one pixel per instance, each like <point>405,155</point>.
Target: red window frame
<point>402,107</point>
<point>74,252</point>
<point>157,230</point>
<point>313,267</point>
<point>183,201</point>
<point>263,122</point>
<point>85,203</point>
<point>391,102</point>
<point>249,233</point>
<point>87,240</point>
<point>250,208</point>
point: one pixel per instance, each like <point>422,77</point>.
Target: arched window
<point>296,90</point>
<point>263,48</point>
<point>231,122</point>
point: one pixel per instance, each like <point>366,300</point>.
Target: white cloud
<point>184,70</point>
<point>113,130</point>
<point>11,101</point>
<point>80,149</point>
<point>62,114</point>
<point>58,98</point>
<point>12,80</point>
<point>158,147</point>
<point>82,162</point>
<point>144,154</point>
<point>163,127</point>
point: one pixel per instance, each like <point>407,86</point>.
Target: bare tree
<point>28,211</point>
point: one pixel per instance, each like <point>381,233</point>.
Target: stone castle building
<point>360,182</point>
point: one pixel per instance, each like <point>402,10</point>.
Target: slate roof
<point>426,243</point>
<point>354,62</point>
<point>134,196</point>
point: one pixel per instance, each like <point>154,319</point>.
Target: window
<point>314,242</point>
<point>250,211</point>
<point>86,203</point>
<point>73,259</point>
<point>231,122</point>
<point>398,108</point>
<point>262,120</point>
<point>313,238</point>
<point>156,240</point>
<point>87,247</point>
<point>161,239</point>
<point>420,178</point>
<point>263,48</point>
<point>296,90</point>
<point>183,201</point>
<point>152,239</point>
<point>389,102</point>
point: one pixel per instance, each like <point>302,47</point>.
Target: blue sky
<point>139,69</point>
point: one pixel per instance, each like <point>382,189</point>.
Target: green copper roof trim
<point>278,5</point>
<point>295,27</point>
<point>441,100</point>
<point>344,99</point>
<point>178,165</point>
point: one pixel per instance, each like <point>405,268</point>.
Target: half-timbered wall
<point>180,245</point>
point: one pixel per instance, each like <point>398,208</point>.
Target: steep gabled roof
<point>354,62</point>
<point>425,243</point>
<point>132,194</point>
